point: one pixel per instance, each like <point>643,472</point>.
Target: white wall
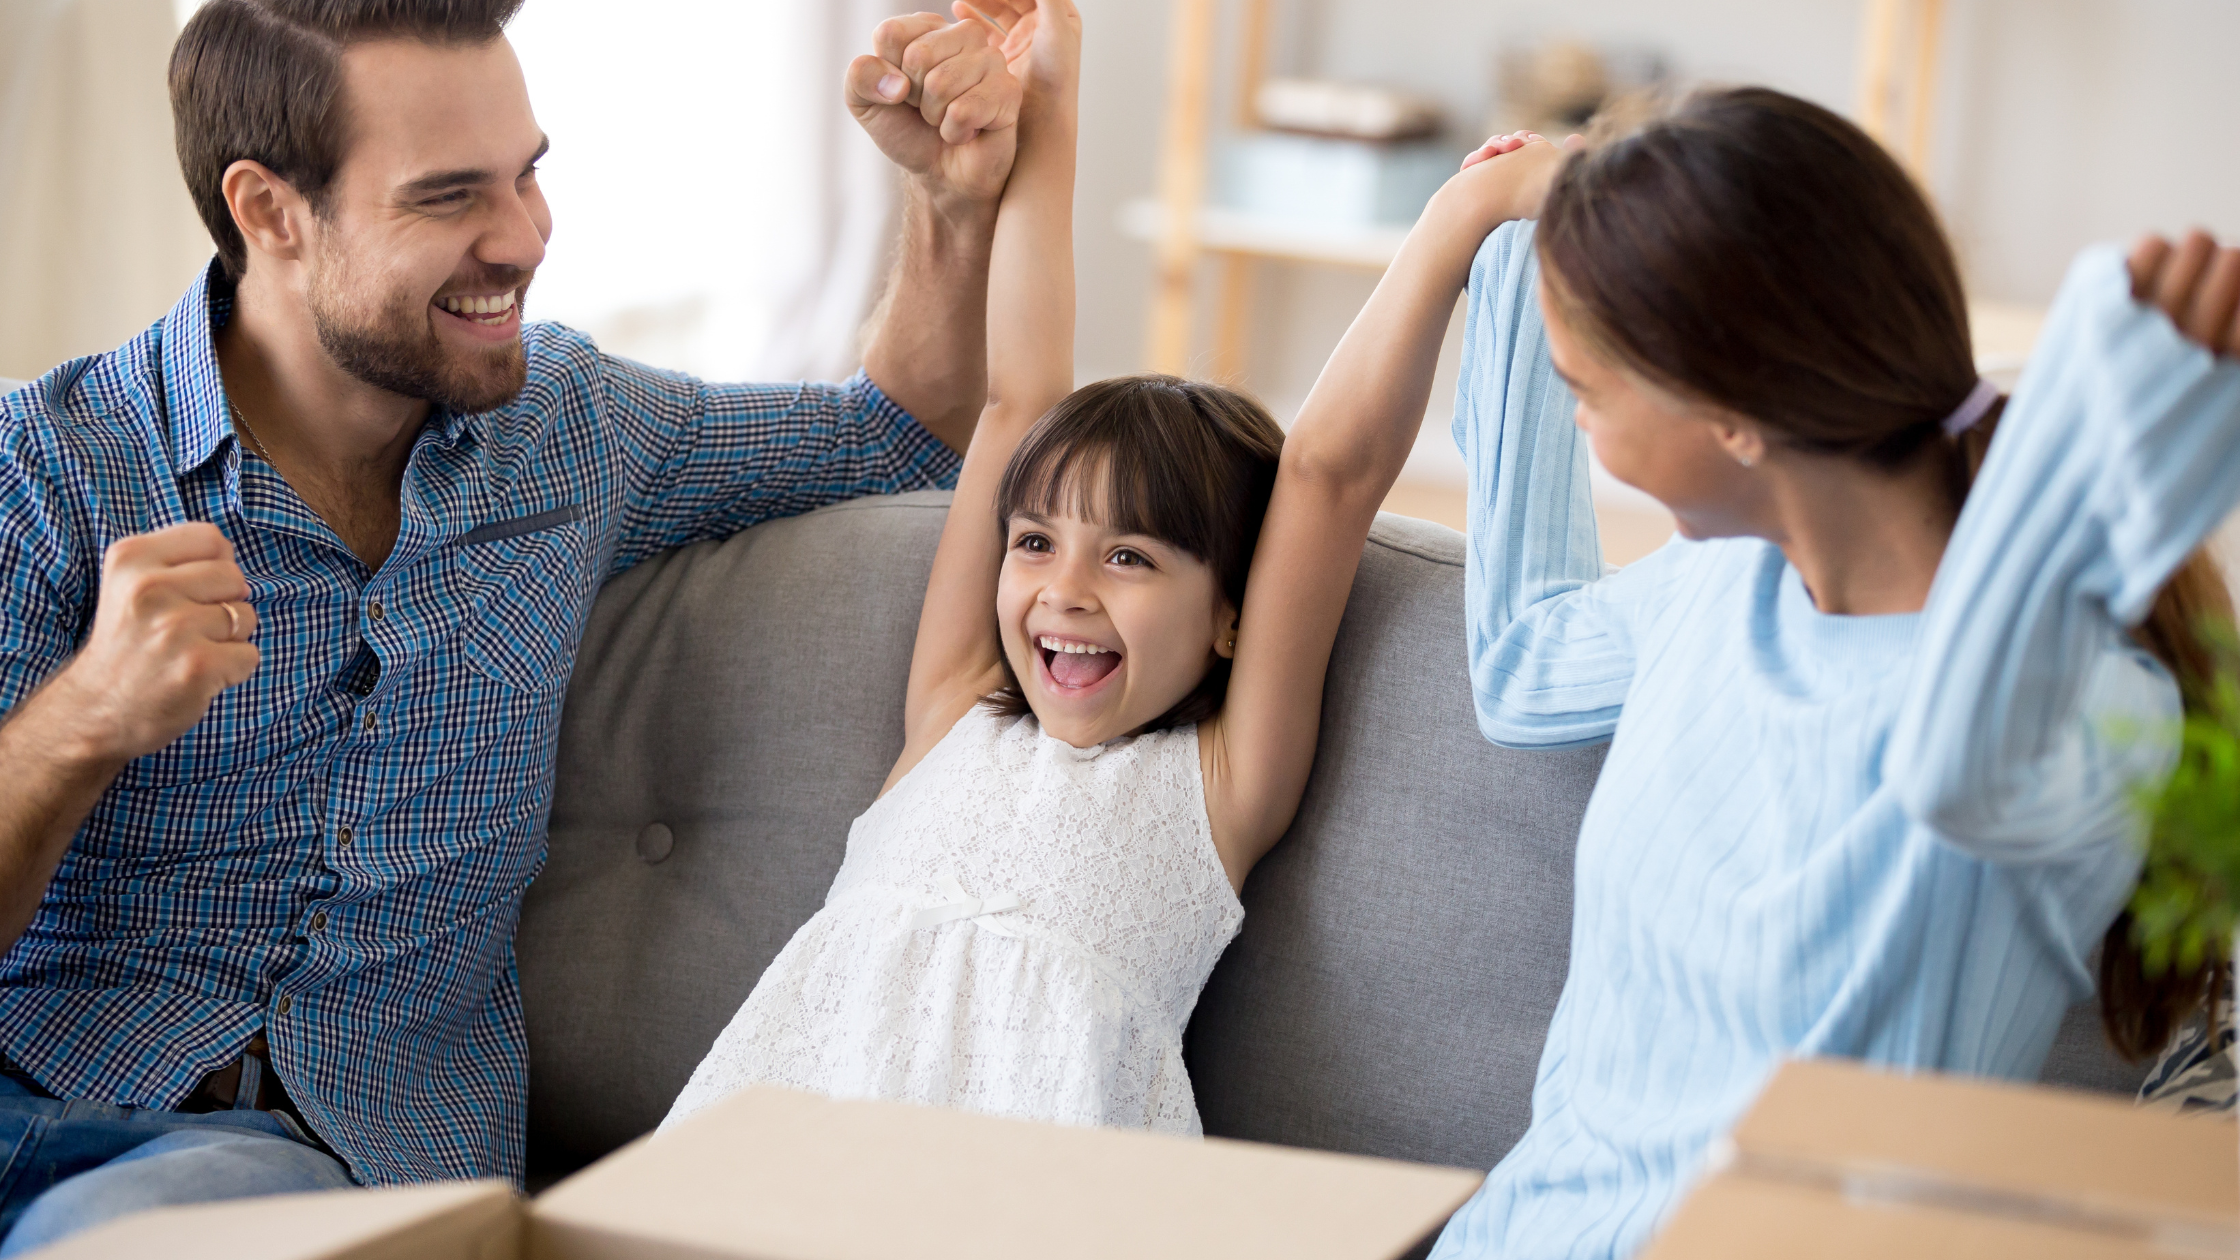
<point>2063,122</point>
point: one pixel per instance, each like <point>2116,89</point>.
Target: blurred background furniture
<point>738,703</point>
<point>97,236</point>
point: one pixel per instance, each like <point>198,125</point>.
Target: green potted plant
<point>2185,913</point>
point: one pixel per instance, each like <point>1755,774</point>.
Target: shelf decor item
<point>1331,182</point>
<point>1352,111</point>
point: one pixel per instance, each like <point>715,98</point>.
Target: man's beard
<point>394,346</point>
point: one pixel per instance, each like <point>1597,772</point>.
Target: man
<point>296,579</point>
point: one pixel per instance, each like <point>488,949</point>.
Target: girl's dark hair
<point>1187,463</point>
<point>1756,251</point>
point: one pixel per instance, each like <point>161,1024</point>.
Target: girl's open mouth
<point>1072,665</point>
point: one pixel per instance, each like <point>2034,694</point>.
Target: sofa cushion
<point>737,703</point>
<point>1403,947</point>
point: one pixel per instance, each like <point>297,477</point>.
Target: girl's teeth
<point>1060,645</point>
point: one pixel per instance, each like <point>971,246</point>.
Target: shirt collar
<point>194,393</point>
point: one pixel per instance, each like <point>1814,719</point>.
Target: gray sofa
<point>737,704</point>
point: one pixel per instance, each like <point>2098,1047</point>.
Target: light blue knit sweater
<point>1891,837</point>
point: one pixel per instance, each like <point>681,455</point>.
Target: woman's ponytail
<point>2141,1008</point>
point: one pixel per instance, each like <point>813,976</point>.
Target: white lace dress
<point>1020,928</point>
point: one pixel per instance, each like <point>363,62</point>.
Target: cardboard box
<point>1838,1160</point>
<point>774,1175</point>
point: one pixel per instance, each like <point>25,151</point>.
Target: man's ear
<point>274,219</point>
<point>1225,632</point>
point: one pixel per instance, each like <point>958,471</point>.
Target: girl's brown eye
<point>1128,557</point>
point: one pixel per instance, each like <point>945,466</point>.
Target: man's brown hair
<point>261,81</point>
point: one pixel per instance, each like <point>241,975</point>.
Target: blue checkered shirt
<point>336,853</point>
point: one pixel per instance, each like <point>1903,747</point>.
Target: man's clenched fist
<point>940,102</point>
<point>170,631</point>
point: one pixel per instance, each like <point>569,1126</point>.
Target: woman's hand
<point>2195,283</point>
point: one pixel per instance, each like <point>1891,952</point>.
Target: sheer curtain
<point>715,209</point>
<point>97,237</point>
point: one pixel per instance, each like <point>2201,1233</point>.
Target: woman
<point>1875,716</point>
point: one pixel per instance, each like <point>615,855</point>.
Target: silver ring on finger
<point>233,622</point>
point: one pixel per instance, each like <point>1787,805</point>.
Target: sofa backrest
<point>737,704</point>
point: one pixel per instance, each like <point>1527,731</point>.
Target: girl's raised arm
<point>1339,460</point>
<point>958,657</point>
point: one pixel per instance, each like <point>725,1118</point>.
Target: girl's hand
<point>2195,283</point>
<point>1498,145</point>
<point>1040,41</point>
<point>1507,178</point>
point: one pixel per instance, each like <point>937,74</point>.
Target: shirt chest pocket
<point>528,582</point>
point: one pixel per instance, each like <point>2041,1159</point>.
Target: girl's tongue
<point>1081,669</point>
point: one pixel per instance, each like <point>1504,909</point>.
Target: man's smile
<point>481,310</point>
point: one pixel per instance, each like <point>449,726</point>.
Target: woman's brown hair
<point>1758,252</point>
<point>1185,462</point>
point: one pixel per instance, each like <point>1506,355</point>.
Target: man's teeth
<point>500,305</point>
<point>1061,645</point>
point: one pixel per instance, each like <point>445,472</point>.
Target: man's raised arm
<point>940,102</point>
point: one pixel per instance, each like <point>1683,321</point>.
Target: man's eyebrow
<point>463,177</point>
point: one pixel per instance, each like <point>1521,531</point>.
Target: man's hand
<point>171,631</point>
<point>942,105</point>
<point>2195,283</point>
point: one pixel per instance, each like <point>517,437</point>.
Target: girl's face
<point>1105,630</point>
<point>1688,455</point>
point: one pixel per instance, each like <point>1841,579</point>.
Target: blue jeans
<point>73,1165</point>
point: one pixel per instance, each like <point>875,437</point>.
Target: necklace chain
<point>256,443</point>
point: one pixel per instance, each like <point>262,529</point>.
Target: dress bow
<point>962,906</point>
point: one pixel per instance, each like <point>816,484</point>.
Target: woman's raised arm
<point>2119,453</point>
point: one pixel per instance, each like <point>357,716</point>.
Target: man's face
<point>434,223</point>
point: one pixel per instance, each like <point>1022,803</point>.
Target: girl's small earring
<point>1747,461</point>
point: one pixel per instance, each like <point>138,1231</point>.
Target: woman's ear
<point>1744,443</point>
<point>1225,632</point>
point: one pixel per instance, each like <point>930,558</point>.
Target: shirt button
<point>287,1003</point>
<point>369,721</point>
<point>374,610</point>
<point>345,836</point>
<point>319,921</point>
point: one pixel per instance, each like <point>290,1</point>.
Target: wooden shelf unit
<point>1899,47</point>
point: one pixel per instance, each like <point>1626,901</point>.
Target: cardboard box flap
<point>1734,1217</point>
<point>1990,1147</point>
<point>777,1175</point>
<point>452,1220</point>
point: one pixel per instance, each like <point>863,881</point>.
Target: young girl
<point>1108,722</point>
<point>1876,715</point>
